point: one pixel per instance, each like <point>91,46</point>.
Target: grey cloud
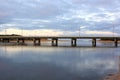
<point>60,14</point>
<point>32,8</point>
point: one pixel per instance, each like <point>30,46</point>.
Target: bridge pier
<point>5,40</point>
<point>73,42</point>
<point>94,42</point>
<point>54,41</point>
<point>37,41</point>
<point>21,41</point>
<point>116,42</point>
<point>0,40</point>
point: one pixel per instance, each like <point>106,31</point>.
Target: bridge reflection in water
<point>55,40</point>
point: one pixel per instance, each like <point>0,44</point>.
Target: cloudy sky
<point>60,17</point>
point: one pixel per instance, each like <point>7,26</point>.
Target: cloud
<point>100,33</point>
<point>61,15</point>
<point>37,32</point>
<point>53,32</point>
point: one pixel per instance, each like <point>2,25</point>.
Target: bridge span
<point>55,39</point>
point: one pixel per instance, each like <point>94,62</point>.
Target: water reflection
<point>56,63</point>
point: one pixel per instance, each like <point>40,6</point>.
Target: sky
<point>60,17</point>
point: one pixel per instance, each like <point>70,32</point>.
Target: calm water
<point>57,63</point>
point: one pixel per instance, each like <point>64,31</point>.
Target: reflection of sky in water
<point>56,63</point>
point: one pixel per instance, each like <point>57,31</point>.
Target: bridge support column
<point>0,40</point>
<point>21,41</point>
<point>94,42</point>
<point>116,42</point>
<point>5,40</point>
<point>54,41</point>
<point>73,42</point>
<point>37,41</point>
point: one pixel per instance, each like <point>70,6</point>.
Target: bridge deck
<point>54,39</point>
<point>82,37</point>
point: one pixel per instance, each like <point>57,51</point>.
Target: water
<point>57,63</point>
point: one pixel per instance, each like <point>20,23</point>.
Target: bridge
<point>55,39</point>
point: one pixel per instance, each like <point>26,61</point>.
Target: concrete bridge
<point>54,39</point>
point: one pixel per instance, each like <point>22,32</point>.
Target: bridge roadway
<point>54,39</point>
